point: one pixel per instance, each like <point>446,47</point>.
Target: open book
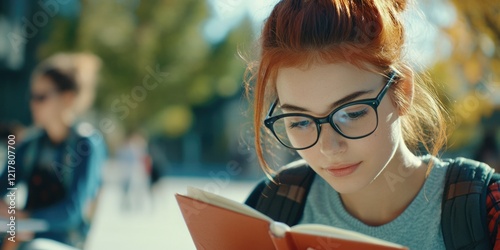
<point>218,223</point>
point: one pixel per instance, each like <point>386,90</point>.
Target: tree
<point>472,72</point>
<point>157,64</point>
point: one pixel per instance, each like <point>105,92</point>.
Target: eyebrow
<point>343,100</point>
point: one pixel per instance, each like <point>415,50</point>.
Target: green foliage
<point>472,72</point>
<point>161,36</point>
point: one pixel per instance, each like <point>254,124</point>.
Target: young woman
<point>332,84</point>
<point>60,162</point>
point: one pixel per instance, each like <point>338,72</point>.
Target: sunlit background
<point>172,72</point>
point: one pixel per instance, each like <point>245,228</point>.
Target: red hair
<point>360,32</point>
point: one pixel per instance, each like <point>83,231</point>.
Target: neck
<point>57,132</point>
<point>391,192</point>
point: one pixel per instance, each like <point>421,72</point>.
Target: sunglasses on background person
<point>42,97</point>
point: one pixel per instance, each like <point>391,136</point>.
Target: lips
<point>343,169</point>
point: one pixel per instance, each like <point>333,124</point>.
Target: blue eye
<point>357,114</point>
<point>351,115</point>
<point>300,124</point>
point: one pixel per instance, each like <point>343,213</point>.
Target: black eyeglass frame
<point>373,102</point>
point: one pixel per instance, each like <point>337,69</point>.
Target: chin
<point>345,185</point>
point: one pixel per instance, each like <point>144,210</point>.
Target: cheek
<point>381,142</point>
<point>39,114</point>
<point>385,139</point>
<point>390,122</point>
<point>311,155</point>
<point>380,145</point>
<point>48,110</point>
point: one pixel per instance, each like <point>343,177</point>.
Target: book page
<point>226,203</point>
<point>333,232</point>
<point>278,229</point>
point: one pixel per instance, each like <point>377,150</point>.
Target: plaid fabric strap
<point>283,198</point>
<point>464,212</point>
<point>463,219</point>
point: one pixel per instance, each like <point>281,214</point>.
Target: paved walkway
<point>152,223</point>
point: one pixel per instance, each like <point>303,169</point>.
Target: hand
<point>9,245</point>
<point>20,214</point>
<point>24,236</point>
<point>7,212</point>
<point>4,209</point>
<point>20,237</point>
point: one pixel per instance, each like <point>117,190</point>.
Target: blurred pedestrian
<point>135,163</point>
<point>60,161</point>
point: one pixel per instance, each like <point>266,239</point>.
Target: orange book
<point>218,223</point>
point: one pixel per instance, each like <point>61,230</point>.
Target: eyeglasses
<point>39,98</point>
<point>353,120</point>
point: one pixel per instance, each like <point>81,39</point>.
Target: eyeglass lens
<point>302,131</point>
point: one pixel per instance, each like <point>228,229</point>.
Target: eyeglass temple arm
<point>271,109</point>
<point>387,86</point>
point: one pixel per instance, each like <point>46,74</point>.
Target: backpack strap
<point>463,219</point>
<point>494,178</point>
<point>283,198</point>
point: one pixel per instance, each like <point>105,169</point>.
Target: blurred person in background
<point>60,161</point>
<point>136,165</point>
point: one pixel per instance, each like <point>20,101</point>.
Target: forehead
<point>323,84</point>
<point>42,83</point>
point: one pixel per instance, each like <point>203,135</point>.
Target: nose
<point>331,142</point>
